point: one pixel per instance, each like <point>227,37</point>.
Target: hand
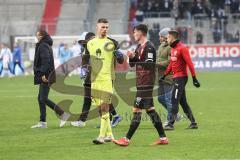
<point>44,79</point>
<point>130,54</point>
<point>195,82</point>
<point>83,72</point>
<point>117,54</point>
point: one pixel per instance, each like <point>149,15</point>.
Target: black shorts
<point>144,99</point>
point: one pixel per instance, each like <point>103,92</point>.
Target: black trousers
<point>43,101</point>
<point>179,97</point>
<point>87,101</point>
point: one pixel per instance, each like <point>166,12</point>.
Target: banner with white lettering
<point>216,57</point>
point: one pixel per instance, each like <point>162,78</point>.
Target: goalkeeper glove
<point>83,72</point>
<point>118,54</point>
<point>195,82</point>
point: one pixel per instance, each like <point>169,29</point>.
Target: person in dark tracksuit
<point>87,101</point>
<point>44,76</point>
<point>180,62</point>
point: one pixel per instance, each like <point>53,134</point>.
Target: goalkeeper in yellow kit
<point>102,54</point>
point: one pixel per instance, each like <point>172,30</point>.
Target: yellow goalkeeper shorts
<point>101,92</point>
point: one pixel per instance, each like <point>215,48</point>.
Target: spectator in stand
<point>237,37</point>
<point>216,32</point>
<point>227,5</point>
<point>139,15</point>
<point>175,10</point>
<point>235,6</point>
<point>235,9</point>
<point>167,5</point>
<point>199,37</point>
<point>17,58</point>
<point>197,8</point>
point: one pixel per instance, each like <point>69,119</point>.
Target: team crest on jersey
<point>98,53</point>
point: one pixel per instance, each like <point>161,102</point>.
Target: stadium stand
<point>199,21</point>
<point>73,17</point>
<point>19,17</point>
<point>77,16</point>
<point>116,12</point>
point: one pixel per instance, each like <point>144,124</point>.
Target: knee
<point>104,107</point>
<point>136,110</point>
<point>42,99</point>
<point>149,110</point>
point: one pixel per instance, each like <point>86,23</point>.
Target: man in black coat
<point>44,76</point>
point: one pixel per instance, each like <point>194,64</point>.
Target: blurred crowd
<point>216,11</point>
<point>10,61</point>
<point>185,9</point>
<point>12,64</point>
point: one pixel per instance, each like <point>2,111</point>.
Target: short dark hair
<point>43,32</point>
<point>102,20</point>
<point>142,27</point>
<point>174,33</point>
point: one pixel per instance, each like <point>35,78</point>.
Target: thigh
<point>160,89</point>
<point>178,89</point>
<point>143,103</point>
<point>101,92</point>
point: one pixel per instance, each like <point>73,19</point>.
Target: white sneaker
<point>40,125</point>
<point>165,123</point>
<point>179,117</point>
<point>64,117</point>
<point>108,138</point>
<point>78,123</point>
<point>99,140</point>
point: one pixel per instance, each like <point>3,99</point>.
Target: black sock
<point>157,122</point>
<point>112,110</point>
<point>134,124</point>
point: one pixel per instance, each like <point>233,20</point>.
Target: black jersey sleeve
<point>149,57</point>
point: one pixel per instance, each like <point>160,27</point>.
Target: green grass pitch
<point>216,106</point>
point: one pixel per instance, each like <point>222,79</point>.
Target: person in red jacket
<point>179,64</point>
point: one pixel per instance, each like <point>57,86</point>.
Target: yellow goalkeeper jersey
<point>102,58</point>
